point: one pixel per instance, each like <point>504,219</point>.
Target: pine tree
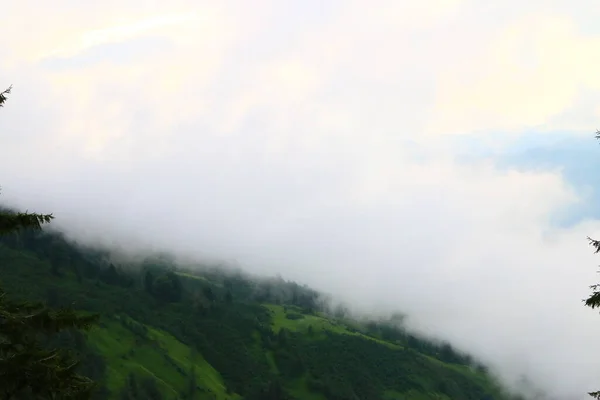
<point>594,300</point>
<point>27,368</point>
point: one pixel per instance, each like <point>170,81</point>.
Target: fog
<point>315,141</point>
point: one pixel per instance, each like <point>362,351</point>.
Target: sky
<point>436,158</point>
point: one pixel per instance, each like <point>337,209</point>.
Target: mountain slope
<point>170,333</point>
<point>130,347</point>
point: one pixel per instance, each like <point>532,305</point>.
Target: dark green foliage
<point>27,368</point>
<point>273,390</point>
<point>278,291</point>
<point>225,338</point>
<point>12,221</point>
<point>167,287</point>
<point>390,331</point>
<point>218,316</point>
<point>208,293</point>
<point>594,300</point>
<point>25,365</point>
<point>149,282</point>
<point>228,297</point>
<point>350,367</point>
<point>91,365</point>
<point>140,389</point>
<point>294,316</point>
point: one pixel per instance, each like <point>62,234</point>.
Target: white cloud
<point>115,34</point>
<point>294,139</point>
<point>531,73</point>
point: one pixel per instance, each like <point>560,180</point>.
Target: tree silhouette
<point>594,300</point>
<point>27,368</point>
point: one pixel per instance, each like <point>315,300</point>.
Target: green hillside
<point>177,333</point>
<point>130,347</point>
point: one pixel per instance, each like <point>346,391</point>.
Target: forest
<point>172,331</point>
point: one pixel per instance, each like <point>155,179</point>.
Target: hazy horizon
<point>436,159</point>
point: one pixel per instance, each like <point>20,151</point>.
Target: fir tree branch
<point>595,244</point>
<point>3,95</point>
<point>12,222</point>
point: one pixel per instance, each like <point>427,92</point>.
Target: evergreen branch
<point>3,95</point>
<point>594,243</point>
<point>12,222</point>
<point>593,301</point>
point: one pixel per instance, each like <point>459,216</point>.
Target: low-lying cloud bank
<point>468,253</point>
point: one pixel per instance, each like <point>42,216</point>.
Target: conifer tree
<point>28,370</point>
<point>594,300</point>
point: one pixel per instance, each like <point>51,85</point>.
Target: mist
<point>315,142</point>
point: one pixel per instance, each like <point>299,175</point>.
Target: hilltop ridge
<point>170,332</point>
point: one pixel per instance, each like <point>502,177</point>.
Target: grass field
<point>132,348</point>
<point>301,323</point>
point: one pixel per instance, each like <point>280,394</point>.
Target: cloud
<point>122,52</point>
<point>311,140</point>
<point>531,73</point>
<point>115,34</point>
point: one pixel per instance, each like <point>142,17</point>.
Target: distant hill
<point>171,332</point>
